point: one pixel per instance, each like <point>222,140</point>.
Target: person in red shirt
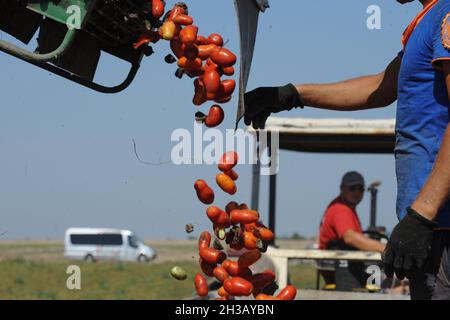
<point>340,223</point>
<point>340,228</point>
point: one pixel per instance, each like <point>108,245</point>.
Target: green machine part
<point>73,34</point>
<point>60,11</point>
<point>63,10</point>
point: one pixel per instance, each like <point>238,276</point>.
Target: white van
<point>93,244</point>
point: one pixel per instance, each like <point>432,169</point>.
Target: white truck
<point>92,244</point>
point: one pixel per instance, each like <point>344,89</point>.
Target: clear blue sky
<point>67,156</point>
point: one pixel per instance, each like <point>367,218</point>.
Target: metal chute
<point>248,14</point>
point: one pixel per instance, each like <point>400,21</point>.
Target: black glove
<point>409,247</point>
<point>261,102</point>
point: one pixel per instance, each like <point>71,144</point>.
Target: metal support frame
<point>373,189</point>
<point>90,84</point>
<point>47,61</point>
<point>38,57</point>
<point>44,61</point>
<point>272,193</point>
<point>272,205</point>
<point>256,178</point>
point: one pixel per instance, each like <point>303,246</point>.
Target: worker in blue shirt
<point>419,79</point>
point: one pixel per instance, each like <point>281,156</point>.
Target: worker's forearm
<point>368,92</point>
<point>348,95</point>
<point>436,190</point>
<point>361,242</point>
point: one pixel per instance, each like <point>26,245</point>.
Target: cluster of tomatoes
<point>207,60</point>
<point>203,58</point>
<point>241,229</point>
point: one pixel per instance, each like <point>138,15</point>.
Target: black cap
<point>352,178</point>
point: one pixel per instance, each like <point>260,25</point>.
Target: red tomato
<point>263,234</point>
<point>213,213</point>
<point>211,79</point>
<point>157,8</point>
<point>223,100</point>
<point>262,280</point>
<point>200,92</point>
<point>204,193</point>
<point>226,89</point>
<point>226,183</point>
<point>250,227</point>
<point>287,293</point>
<point>212,256</point>
<point>183,20</point>
<point>248,258</point>
<point>228,161</point>
<point>215,39</point>
<point>234,270</point>
<point>204,240</point>
<point>182,61</point>
<point>238,287</point>
<point>205,51</point>
<point>263,296</point>
<point>251,242</point>
<point>147,38</point>
<point>200,285</point>
<point>177,47</point>
<point>207,268</point>
<point>244,216</point>
<point>215,116</point>
<point>228,71</point>
<point>192,65</point>
<point>232,174</point>
<point>222,292</point>
<point>201,40</point>
<point>220,273</point>
<point>177,10</point>
<point>233,205</point>
<point>211,64</point>
<point>218,217</point>
<point>188,35</point>
<point>224,58</point>
<point>191,52</point>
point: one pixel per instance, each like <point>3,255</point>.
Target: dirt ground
<point>167,250</point>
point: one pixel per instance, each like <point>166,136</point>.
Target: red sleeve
<point>343,220</point>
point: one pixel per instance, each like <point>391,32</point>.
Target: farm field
<point>37,270</point>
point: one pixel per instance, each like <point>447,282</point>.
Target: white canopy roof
<point>334,135</point>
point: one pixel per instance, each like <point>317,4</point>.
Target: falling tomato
<point>215,39</point>
<point>200,285</point>
<point>226,183</point>
<point>238,287</point>
<point>204,193</point>
<point>215,116</point>
<point>228,161</point>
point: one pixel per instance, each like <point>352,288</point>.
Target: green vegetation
<point>297,236</point>
<point>23,279</point>
<point>47,280</point>
<point>303,276</point>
